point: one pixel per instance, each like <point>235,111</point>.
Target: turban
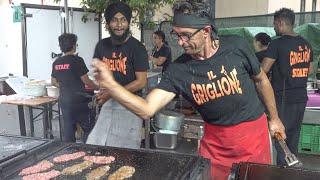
<point>116,7</point>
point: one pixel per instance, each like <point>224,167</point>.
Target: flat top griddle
<point>148,164</point>
<point>12,146</point>
<point>252,171</point>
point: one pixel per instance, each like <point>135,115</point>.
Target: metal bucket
<point>169,120</point>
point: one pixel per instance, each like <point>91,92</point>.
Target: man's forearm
<point>266,93</point>
<point>93,85</point>
<point>134,103</point>
<point>135,86</point>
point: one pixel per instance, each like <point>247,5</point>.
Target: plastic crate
<point>309,139</point>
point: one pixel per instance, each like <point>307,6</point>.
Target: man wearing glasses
<point>218,77</point>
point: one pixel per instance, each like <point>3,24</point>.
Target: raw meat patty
<point>42,176</point>
<point>41,166</point>
<point>68,157</point>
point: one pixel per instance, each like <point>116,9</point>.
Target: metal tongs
<point>290,158</point>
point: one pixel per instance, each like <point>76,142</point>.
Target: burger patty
<point>68,157</point>
<point>98,173</point>
<point>99,159</point>
<point>41,166</point>
<point>42,176</point>
<point>122,173</point>
<point>77,168</point>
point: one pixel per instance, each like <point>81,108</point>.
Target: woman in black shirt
<point>161,55</point>
<point>260,44</point>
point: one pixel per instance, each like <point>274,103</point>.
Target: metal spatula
<point>290,158</point>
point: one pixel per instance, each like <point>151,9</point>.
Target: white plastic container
<point>53,91</point>
<point>35,88</point>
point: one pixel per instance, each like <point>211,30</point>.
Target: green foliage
<point>143,9</point>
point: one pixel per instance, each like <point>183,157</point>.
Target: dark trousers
<point>73,113</point>
<point>292,119</point>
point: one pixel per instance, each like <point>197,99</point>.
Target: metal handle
<point>290,158</point>
<point>282,143</point>
<point>278,136</point>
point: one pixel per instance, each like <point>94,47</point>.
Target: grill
<point>149,164</point>
<point>252,171</point>
<point>13,147</point>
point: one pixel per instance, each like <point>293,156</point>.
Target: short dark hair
<point>67,41</point>
<point>160,34</point>
<point>286,15</point>
<point>263,38</point>
<point>192,7</point>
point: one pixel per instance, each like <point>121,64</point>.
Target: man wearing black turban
<point>218,77</point>
<point>127,58</point>
<point>109,15</point>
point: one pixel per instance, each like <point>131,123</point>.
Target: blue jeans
<point>73,113</point>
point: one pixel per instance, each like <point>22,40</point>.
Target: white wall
<point>71,3</point>
<point>10,43</point>
<point>275,5</point>
<point>233,8</point>
<point>292,4</point>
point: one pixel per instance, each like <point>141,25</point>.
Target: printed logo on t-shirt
<point>60,67</point>
<point>228,84</point>
<point>302,56</point>
<point>116,63</point>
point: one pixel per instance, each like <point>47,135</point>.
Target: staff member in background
<point>127,58</point>
<point>69,73</point>
<point>289,58</point>
<point>260,44</point>
<point>216,79</point>
<point>161,55</point>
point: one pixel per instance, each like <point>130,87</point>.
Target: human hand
<point>102,73</point>
<point>102,97</point>
<point>275,125</point>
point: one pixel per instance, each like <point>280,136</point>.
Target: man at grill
<point>289,58</point>
<point>127,58</point>
<point>217,76</point>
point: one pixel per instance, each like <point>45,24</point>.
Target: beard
<point>278,33</point>
<point>117,38</point>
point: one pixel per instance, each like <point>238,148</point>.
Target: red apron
<point>244,142</point>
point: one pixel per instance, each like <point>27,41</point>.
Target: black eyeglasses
<point>184,37</point>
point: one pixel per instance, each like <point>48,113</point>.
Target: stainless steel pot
<point>169,120</point>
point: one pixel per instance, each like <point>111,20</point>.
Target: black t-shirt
<point>164,51</point>
<point>292,55</point>
<point>124,60</point>
<point>68,71</point>
<point>220,88</point>
<point>260,55</point>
